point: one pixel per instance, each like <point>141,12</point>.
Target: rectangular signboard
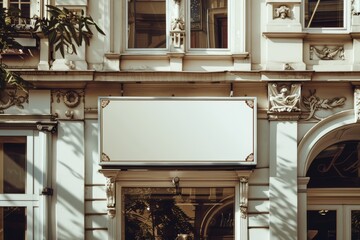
<point>141,131</point>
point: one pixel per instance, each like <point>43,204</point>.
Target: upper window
<point>147,24</point>
<point>209,23</point>
<point>324,14</point>
<point>24,7</point>
<point>206,23</point>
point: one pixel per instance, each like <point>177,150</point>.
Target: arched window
<point>333,189</point>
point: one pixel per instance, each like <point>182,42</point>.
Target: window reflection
<point>321,224</point>
<point>195,213</point>
<point>146,24</point>
<point>13,223</point>
<point>324,13</point>
<point>209,23</point>
<point>355,225</point>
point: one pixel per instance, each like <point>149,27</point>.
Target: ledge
<point>312,36</point>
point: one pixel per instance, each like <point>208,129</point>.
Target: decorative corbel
<point>244,192</point>
<point>357,104</point>
<point>46,127</point>
<point>111,196</point>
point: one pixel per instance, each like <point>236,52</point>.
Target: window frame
<point>146,50</point>
<point>190,50</point>
<point>32,199</point>
<point>344,29</point>
<point>187,179</point>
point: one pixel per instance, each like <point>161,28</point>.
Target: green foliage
<point>65,30</point>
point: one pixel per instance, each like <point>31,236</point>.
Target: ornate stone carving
<point>288,67</point>
<point>314,103</point>
<point>284,98</point>
<point>9,98</point>
<point>357,104</point>
<point>46,127</point>
<point>111,196</point>
<point>355,7</point>
<point>327,53</point>
<point>177,32</point>
<point>71,98</point>
<point>244,189</point>
<point>282,12</point>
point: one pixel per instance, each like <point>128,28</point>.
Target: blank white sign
<point>189,131</point>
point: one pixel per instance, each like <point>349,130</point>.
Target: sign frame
<point>130,106</point>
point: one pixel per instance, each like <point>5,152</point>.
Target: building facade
<point>190,119</point>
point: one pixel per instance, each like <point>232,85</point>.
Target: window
<point>186,213</point>
<point>209,23</point>
<point>147,24</point>
<point>24,6</point>
<point>148,21</point>
<point>21,205</point>
<point>324,14</point>
<point>333,200</point>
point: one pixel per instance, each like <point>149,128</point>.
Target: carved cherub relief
<point>284,98</point>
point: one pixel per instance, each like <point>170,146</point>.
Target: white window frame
<point>144,178</point>
<point>230,13</point>
<point>34,7</point>
<point>145,50</point>
<point>344,29</point>
<point>36,175</point>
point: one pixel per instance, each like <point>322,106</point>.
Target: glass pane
<point>324,13</point>
<point>12,223</point>
<point>336,166</point>
<point>147,24</point>
<point>189,213</point>
<point>209,20</point>
<point>12,164</point>
<point>321,224</point>
<point>355,225</point>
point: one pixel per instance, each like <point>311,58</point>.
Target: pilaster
<point>284,111</point>
<point>302,208</point>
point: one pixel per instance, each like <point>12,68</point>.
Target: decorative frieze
<point>327,53</point>
<point>314,103</point>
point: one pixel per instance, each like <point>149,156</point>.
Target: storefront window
<point>321,224</point>
<point>355,224</point>
<point>200,213</point>
<point>13,223</point>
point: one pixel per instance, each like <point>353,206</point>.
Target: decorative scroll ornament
<point>357,104</point>
<point>327,53</point>
<point>46,127</point>
<point>111,196</point>
<point>177,32</point>
<point>314,103</point>
<point>11,98</point>
<point>282,12</point>
<point>244,189</point>
<point>285,98</point>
